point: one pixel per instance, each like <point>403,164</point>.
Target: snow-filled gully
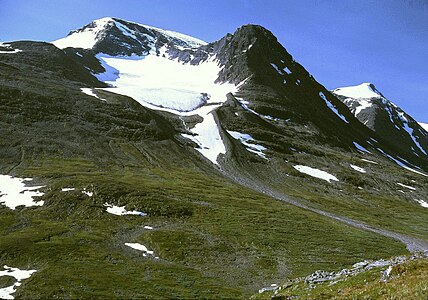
<point>159,83</point>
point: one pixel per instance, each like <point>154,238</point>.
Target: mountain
<point>385,118</point>
<point>148,163</point>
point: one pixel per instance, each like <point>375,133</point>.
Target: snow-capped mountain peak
<point>364,90</point>
<point>127,37</point>
<point>381,115</point>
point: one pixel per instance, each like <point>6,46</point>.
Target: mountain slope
<point>174,168</point>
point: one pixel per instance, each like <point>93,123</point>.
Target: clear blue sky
<point>340,42</point>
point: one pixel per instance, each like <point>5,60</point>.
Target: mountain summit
<point>118,37</point>
<point>384,117</point>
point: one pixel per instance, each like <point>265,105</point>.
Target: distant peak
<point>363,90</point>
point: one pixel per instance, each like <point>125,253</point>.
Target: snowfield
<point>15,192</point>
<point>315,173</point>
<point>165,83</point>
<point>19,275</point>
<point>162,84</point>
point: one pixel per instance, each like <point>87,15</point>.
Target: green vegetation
<point>214,239</point>
<point>407,281</point>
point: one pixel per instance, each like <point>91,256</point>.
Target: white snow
<point>406,186</point>
<point>66,189</point>
<point>287,70</point>
<point>90,92</point>
<point>15,192</point>
<point>315,173</point>
<point>331,106</point>
<point>148,227</point>
<point>410,131</point>
<point>276,68</point>
<point>369,161</point>
<point>207,135</point>
<point>359,91</point>
<point>140,247</point>
<point>10,52</point>
<point>363,103</point>
<point>84,39</point>
<point>424,126</point>
<point>190,40</point>
<point>244,105</point>
<point>19,275</point>
<point>248,141</point>
<point>121,211</point>
<point>87,193</point>
<point>401,164</point>
<point>422,203</point>
<point>165,83</point>
<point>361,148</point>
<point>358,169</point>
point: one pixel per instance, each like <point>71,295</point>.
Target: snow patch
<point>19,275</point>
<point>121,211</point>
<point>15,192</point>
<point>331,107</point>
<point>424,126</point>
<point>361,148</point>
<point>90,92</point>
<point>422,203</point>
<point>248,141</point>
<point>369,161</point>
<point>87,193</point>
<point>140,247</point>
<point>10,52</point>
<point>315,173</point>
<point>410,131</point>
<point>401,164</point>
<point>358,169</point>
<point>66,189</point>
<point>207,137</point>
<point>406,186</point>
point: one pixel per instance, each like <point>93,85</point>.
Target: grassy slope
<point>407,281</point>
<point>214,239</point>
